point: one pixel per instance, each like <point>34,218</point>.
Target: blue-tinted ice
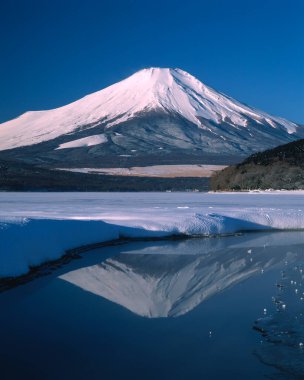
<point>283,328</point>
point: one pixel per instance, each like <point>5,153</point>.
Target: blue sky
<point>54,52</point>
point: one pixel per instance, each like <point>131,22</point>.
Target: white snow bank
<point>30,242</point>
<point>86,141</point>
<point>27,243</point>
<point>35,228</point>
<point>250,220</point>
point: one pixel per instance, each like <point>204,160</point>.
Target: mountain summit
<point>156,112</point>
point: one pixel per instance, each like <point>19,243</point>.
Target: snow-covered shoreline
<point>160,171</point>
<point>39,227</point>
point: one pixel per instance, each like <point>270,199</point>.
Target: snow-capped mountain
<point>156,112</point>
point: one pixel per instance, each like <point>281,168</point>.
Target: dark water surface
<point>162,310</point>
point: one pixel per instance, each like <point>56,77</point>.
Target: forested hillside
<point>278,168</point>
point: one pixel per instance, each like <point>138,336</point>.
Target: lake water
<point>162,310</point>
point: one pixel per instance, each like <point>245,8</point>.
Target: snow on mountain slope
<point>86,141</point>
<point>170,90</point>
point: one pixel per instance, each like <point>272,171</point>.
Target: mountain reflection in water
<point>173,279</point>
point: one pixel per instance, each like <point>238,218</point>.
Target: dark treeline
<point>278,168</point>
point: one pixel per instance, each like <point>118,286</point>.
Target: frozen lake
<point>117,207</point>
<point>170,309</point>
<point>68,220</point>
<point>229,305</point>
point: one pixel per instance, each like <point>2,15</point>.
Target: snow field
<point>37,227</point>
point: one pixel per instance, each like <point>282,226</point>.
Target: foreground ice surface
<point>283,327</point>
<point>38,227</point>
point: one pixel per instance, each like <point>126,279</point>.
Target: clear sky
<point>53,52</point>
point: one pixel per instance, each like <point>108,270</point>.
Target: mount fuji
<point>157,115</point>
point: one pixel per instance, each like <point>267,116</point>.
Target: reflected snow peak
<point>184,274</point>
